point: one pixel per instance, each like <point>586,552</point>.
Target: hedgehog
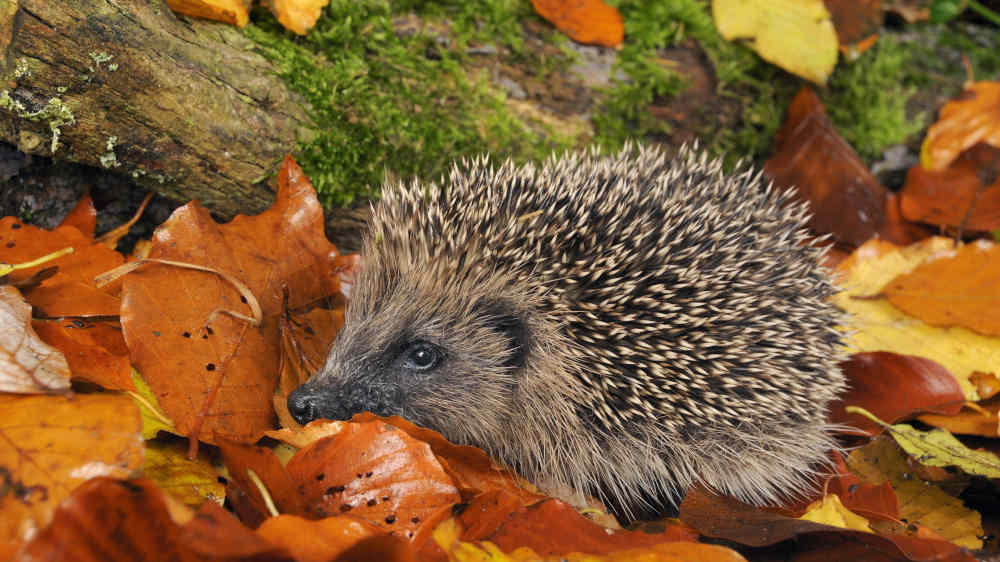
<point>623,325</point>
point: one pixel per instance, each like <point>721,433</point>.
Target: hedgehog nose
<point>303,406</point>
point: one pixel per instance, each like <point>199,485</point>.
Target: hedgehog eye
<point>422,356</point>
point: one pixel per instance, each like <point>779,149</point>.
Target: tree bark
<point>183,107</point>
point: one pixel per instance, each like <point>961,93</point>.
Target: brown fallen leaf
<point>972,118</point>
<point>50,444</point>
<point>27,364</point>
<point>267,471</point>
<point>959,196</point>
<point>960,287</point>
<point>215,374</point>
<point>234,12</point>
<point>584,21</point>
<point>894,387</point>
<point>732,520</point>
<point>857,23</point>
<point>111,520</point>
<point>845,198</point>
<point>551,528</point>
<point>921,502</point>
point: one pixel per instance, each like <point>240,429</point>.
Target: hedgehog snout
<point>311,402</point>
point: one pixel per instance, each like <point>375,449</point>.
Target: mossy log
<point>184,107</point>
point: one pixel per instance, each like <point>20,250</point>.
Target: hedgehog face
<point>421,358</point>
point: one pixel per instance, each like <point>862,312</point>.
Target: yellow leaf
<point>796,35</point>
<point>920,501</point>
<point>190,481</point>
<point>830,511</point>
<point>877,325</point>
<point>297,15</point>
<point>937,447</point>
<point>153,418</point>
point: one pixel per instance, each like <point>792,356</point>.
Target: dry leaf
<point>27,364</point>
<point>214,374</point>
<point>919,501</point>
<point>959,196</point>
<point>297,15</point>
<point>894,387</point>
<point>955,287</point>
<point>234,12</point>
<point>50,444</point>
<point>844,197</point>
<point>877,325</point>
<point>972,118</point>
<point>584,21</point>
<point>192,481</point>
<point>829,511</point>
<point>796,35</point>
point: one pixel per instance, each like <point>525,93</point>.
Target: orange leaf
<point>241,459</point>
<point>297,15</point>
<point>981,420</point>
<point>322,540</point>
<point>27,364</point>
<point>956,196</point>
<point>844,197</point>
<point>375,472</point>
<point>234,12</point>
<point>109,520</point>
<point>96,352</point>
<point>551,528</point>
<point>50,444</point>
<point>83,217</point>
<point>214,374</point>
<point>962,123</point>
<point>960,288</point>
<point>584,21</point>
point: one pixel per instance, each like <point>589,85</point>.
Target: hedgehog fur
<point>623,325</point>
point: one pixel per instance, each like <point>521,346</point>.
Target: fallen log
<point>183,107</point>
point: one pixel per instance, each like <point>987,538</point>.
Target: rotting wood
<point>184,107</point>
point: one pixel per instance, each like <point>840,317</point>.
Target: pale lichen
<point>55,113</point>
<point>109,159</point>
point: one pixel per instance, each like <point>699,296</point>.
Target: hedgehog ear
<point>503,317</point>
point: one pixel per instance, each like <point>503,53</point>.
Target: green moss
<point>867,98</point>
<point>384,101</point>
<point>760,90</point>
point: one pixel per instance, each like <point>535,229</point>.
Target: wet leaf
<point>320,540</point>
<point>796,35</point>
<point>214,373</point>
<point>375,472</point>
<point>27,364</point>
